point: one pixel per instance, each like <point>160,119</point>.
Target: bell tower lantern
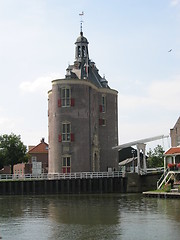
<point>81,52</point>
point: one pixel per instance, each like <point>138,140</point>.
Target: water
<point>89,217</point>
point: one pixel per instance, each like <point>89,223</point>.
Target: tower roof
<point>83,67</point>
<point>82,39</point>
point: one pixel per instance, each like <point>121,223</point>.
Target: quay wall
<point>135,183</point>
<point>131,183</point>
<point>63,186</point>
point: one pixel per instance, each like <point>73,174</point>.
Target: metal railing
<point>166,177</point>
<point>77,175</point>
<point>161,179</point>
<point>155,170</point>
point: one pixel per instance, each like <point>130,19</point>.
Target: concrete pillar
<point>138,160</point>
<point>144,158</point>
<point>165,165</point>
<point>174,159</point>
<point>141,146</point>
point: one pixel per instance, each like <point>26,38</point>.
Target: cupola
<point>81,51</point>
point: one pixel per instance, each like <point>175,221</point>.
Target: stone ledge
<point>162,194</point>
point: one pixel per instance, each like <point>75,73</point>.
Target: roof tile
<point>173,150</point>
<point>40,148</point>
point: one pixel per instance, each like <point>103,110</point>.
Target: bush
<point>166,188</point>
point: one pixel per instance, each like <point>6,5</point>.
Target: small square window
<point>34,159</point>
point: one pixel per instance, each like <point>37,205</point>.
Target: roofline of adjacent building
<point>31,150</point>
<point>83,82</point>
<point>175,124</point>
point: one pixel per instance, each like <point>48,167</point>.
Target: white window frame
<point>33,159</point>
<point>66,131</point>
<point>103,122</point>
<point>65,159</point>
<point>66,96</point>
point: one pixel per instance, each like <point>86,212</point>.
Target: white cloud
<point>6,125</point>
<point>132,101</point>
<point>175,2</point>
<point>41,84</point>
<point>140,130</point>
<point>164,94</point>
<point>149,113</point>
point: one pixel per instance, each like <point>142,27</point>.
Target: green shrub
<point>166,188</point>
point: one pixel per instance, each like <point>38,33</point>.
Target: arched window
<point>83,51</point>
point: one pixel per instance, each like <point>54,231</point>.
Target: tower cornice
<point>82,82</point>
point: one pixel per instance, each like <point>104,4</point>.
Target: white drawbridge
<point>140,144</point>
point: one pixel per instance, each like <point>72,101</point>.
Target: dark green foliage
<point>156,157</point>
<point>12,150</point>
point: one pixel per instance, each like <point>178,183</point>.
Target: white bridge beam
<point>140,144</point>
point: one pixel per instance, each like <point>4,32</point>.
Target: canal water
<point>89,217</point>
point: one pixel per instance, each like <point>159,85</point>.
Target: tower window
<point>65,97</point>
<point>79,51</point>
<point>66,135</point>
<point>83,51</point>
<point>103,103</point>
<point>66,132</point>
<point>102,122</point>
<point>66,164</point>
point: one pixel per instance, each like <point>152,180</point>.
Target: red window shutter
<point>60,138</point>
<point>59,102</point>
<point>72,137</point>
<point>68,169</point>
<point>100,121</point>
<point>63,170</point>
<point>100,108</point>
<point>72,102</point>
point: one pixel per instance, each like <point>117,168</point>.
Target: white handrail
<point>166,178</point>
<point>161,178</point>
<point>46,176</point>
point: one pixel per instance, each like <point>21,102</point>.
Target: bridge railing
<point>76,175</point>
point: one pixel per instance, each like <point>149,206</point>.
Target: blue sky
<point>129,41</point>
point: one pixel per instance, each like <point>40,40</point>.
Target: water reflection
<point>84,210</point>
<point>89,217</point>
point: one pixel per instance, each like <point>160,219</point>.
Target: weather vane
<point>81,21</point>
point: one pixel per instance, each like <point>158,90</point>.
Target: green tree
<point>12,150</point>
<point>156,157</point>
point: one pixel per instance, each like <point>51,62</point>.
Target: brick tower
<point>82,117</point>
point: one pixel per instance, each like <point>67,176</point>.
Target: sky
<point>129,40</point>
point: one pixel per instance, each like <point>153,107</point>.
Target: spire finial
<point>81,22</point>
